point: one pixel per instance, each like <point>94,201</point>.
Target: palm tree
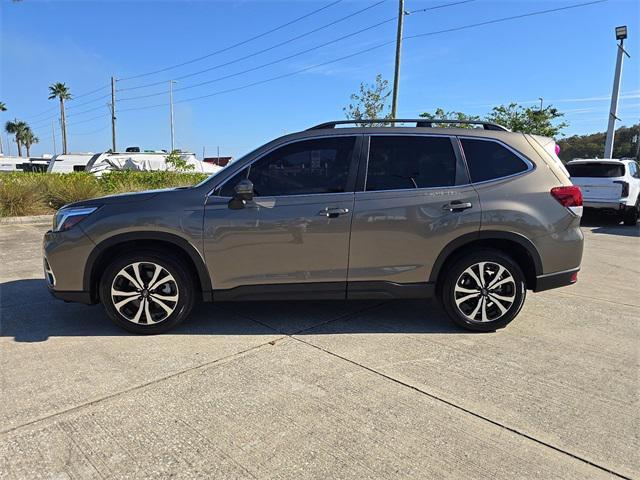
<point>28,138</point>
<point>59,90</point>
<point>17,128</point>
<point>3,108</point>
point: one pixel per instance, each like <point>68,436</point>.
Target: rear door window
<point>596,170</point>
<point>407,162</point>
<point>489,160</point>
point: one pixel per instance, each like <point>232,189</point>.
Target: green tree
<point>16,128</point>
<point>370,102</point>
<point>28,139</point>
<point>61,91</point>
<point>627,144</point>
<point>177,163</point>
<point>440,114</point>
<point>529,119</point>
<point>3,108</point>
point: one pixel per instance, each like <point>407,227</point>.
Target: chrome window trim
<point>530,165</point>
<point>452,138</point>
<point>275,147</point>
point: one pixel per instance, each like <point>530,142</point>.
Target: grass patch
<point>24,193</point>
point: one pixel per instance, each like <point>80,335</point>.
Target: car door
<point>415,199</point>
<point>292,239</point>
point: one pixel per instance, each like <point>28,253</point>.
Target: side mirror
<point>243,194</point>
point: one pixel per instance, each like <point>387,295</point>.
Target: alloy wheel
<point>144,293</point>
<point>484,292</point>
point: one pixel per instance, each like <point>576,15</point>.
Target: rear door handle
<point>457,206</point>
<point>333,212</point>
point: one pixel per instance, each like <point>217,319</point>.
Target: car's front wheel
<point>483,290</point>
<point>147,292</point>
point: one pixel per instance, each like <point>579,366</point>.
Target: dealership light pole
<point>171,82</point>
<point>621,34</point>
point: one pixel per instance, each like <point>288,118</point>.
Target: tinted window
<point>311,166</point>
<point>397,162</point>
<point>633,170</point>
<point>488,160</point>
<point>596,170</point>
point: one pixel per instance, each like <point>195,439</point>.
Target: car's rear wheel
<point>483,290</point>
<point>147,292</point>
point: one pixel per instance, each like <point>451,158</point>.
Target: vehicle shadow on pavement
<point>29,314</point>
<point>609,225</point>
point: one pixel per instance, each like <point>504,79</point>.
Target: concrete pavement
<point>324,389</point>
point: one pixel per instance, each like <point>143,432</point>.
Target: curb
<point>33,219</point>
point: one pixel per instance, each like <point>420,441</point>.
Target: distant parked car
<point>609,186</point>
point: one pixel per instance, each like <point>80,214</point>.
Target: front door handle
<point>457,206</point>
<point>333,212</point>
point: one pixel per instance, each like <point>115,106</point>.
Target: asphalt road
<point>326,389</point>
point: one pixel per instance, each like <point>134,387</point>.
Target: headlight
<point>66,218</point>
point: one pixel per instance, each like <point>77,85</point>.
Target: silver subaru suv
<point>473,216</point>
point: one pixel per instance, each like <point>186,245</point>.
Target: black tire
<point>508,289</point>
<point>181,285</point>
<point>630,217</point>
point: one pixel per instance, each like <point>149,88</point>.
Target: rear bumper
<point>556,280</point>
<point>616,205</point>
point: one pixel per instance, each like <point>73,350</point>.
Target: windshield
<point>596,170</point>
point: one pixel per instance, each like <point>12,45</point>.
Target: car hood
<point>122,198</point>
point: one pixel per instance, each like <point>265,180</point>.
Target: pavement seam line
<point>465,410</point>
<point>431,395</point>
<point>9,431</point>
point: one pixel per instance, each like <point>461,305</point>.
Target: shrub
<point>21,194</point>
<point>133,181</point>
<point>24,193</point>
<point>71,187</point>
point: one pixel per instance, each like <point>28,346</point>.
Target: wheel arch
<point>523,251</point>
<point>161,241</point>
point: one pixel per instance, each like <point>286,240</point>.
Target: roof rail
<point>420,122</point>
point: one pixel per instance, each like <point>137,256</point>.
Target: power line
<point>369,49</point>
<point>87,120</point>
<point>86,94</point>
<point>420,10</point>
<point>243,42</point>
<point>504,19</point>
<point>288,57</point>
<point>285,42</point>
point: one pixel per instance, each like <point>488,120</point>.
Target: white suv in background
<point>608,185</point>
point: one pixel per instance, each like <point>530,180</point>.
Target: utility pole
<point>621,34</point>
<point>171,82</point>
<point>113,115</point>
<point>396,73</point>
<point>53,136</point>
<point>541,100</point>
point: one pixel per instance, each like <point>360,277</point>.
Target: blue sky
<point>566,57</point>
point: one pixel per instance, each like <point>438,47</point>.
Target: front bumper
<point>67,296</point>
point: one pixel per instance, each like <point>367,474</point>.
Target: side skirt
<point>326,291</point>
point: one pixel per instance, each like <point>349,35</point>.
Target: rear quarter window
<point>489,160</point>
<point>596,170</point>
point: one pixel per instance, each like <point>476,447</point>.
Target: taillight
<point>625,187</point>
<point>569,196</point>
